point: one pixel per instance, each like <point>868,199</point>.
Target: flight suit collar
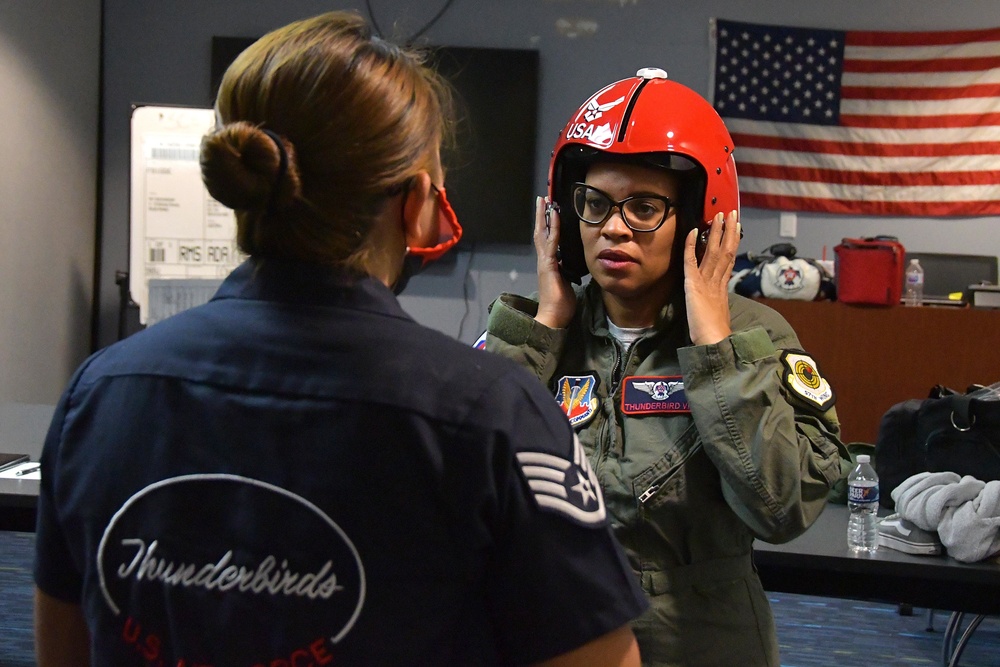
<point>672,315</point>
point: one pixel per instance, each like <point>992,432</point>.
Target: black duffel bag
<point>947,432</point>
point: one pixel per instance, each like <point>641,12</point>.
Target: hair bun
<point>249,169</point>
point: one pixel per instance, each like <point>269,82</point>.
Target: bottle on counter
<point>862,500</point>
<point>913,293</point>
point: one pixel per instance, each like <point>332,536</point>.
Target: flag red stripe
<point>876,178</point>
<point>920,122</point>
<point>913,93</point>
<point>742,140</point>
<point>939,209</point>
<point>888,38</point>
<point>857,156</point>
<point>917,66</point>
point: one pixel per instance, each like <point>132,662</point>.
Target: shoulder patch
<point>802,377</point>
<point>576,395</point>
<point>480,343</point>
<point>565,487</point>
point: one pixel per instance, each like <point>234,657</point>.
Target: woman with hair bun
<point>297,472</point>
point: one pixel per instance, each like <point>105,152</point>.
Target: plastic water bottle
<point>914,295</point>
<point>862,500</point>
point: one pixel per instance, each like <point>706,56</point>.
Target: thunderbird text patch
<point>803,379</point>
<point>645,394</point>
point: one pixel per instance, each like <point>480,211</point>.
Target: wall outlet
<point>789,225</point>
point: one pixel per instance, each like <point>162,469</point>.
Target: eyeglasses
<point>641,213</point>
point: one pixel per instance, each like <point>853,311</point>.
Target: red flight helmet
<point>648,120</point>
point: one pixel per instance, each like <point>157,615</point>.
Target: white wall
<point>158,52</point>
<point>49,64</point>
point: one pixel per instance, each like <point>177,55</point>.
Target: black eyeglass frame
<point>620,205</point>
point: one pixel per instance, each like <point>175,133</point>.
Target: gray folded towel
<point>964,511</point>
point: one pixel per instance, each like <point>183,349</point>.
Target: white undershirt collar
<point>627,335</point>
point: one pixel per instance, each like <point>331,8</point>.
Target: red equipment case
<point>870,270</point>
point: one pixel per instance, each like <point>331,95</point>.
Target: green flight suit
<point>687,493</point>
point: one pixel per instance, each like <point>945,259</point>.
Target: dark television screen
<point>491,169</point>
<point>945,273</point>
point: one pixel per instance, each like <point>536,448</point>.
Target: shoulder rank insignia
<point>644,394</point>
<point>802,377</point>
<point>566,487</point>
<point>575,395</point>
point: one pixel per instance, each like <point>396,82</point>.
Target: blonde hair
<point>321,122</point>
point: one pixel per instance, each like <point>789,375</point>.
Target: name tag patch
<point>645,395</point>
<point>576,395</point>
<point>802,377</point>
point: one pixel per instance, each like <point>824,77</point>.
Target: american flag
<point>860,122</point>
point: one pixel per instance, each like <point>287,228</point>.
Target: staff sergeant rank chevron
<point>567,487</point>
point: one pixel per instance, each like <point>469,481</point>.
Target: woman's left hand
<point>706,284</point>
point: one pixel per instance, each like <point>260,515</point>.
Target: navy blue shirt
<point>298,473</point>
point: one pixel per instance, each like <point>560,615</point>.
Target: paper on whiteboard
<point>177,230</point>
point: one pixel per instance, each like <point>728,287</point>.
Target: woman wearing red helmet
<point>707,425</point>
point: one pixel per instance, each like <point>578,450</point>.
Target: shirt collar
<point>301,283</point>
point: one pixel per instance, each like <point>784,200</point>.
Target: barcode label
<point>157,254</point>
<point>185,154</point>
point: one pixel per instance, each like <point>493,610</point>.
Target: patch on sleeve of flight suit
<point>577,396</point>
<point>565,487</point>
<point>480,343</point>
<point>645,394</point>
<point>803,379</point>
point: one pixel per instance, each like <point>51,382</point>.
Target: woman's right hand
<point>556,298</point>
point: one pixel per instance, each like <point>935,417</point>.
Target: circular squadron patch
<point>802,377</point>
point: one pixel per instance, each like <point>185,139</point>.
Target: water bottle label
<point>914,279</point>
<point>862,494</point>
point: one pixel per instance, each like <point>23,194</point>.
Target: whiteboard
<point>177,231</point>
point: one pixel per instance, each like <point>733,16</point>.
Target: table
<point>22,430</point>
<point>819,563</point>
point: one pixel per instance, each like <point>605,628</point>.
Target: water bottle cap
<point>864,458</point>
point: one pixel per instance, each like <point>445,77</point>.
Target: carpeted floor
<point>16,590</point>
<point>812,631</point>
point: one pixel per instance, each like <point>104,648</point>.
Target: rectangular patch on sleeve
<point>645,394</point>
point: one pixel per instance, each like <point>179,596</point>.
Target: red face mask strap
<point>449,231</point>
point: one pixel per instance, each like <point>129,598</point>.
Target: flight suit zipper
<point>655,485</point>
<point>617,370</point>
<point>607,435</point>
<point>653,488</point>
<point>621,362</point>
